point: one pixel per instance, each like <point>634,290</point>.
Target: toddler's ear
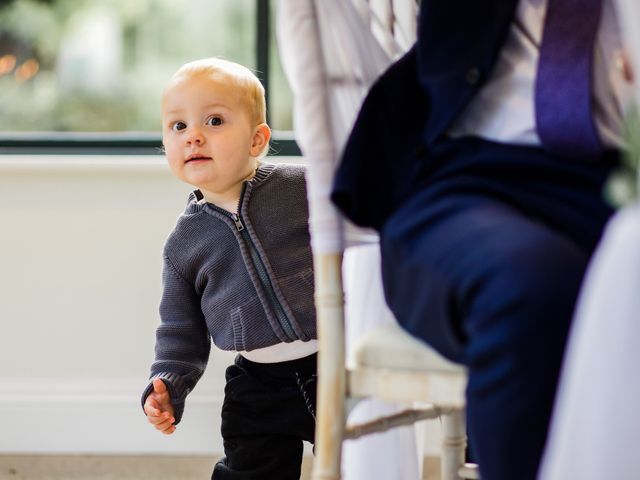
<point>261,136</point>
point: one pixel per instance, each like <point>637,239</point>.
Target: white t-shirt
<point>282,352</point>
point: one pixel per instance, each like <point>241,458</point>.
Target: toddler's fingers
<point>159,405</point>
<point>150,410</point>
<point>165,424</point>
<point>163,417</point>
<point>153,403</point>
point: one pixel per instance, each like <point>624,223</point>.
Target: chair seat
<point>390,364</point>
<point>389,346</point>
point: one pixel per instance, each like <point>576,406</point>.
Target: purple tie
<point>563,85</point>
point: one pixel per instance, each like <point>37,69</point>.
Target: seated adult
<point>480,157</point>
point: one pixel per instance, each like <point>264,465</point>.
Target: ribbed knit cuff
<point>178,392</point>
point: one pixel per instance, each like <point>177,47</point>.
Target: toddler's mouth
<point>196,157</point>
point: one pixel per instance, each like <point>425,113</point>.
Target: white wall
<point>80,246</point>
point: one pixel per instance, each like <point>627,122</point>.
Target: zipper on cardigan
<point>265,281</point>
<point>236,219</point>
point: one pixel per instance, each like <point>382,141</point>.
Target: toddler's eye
<point>214,121</point>
<point>177,126</point>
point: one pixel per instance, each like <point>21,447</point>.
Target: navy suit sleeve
<point>383,154</point>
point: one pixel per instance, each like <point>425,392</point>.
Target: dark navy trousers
<point>484,262</point>
<point>268,411</point>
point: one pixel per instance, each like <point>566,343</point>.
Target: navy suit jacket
<point>414,101</point>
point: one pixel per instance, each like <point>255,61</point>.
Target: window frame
<point>145,143</point>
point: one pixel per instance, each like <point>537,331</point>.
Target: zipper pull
<point>237,221</point>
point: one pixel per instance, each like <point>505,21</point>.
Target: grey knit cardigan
<point>244,280</point>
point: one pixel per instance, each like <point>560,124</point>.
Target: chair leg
<point>330,411</point>
<point>454,443</point>
<point>330,429</point>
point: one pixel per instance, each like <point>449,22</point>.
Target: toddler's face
<point>207,133</point>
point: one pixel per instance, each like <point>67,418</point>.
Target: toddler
<point>237,271</point>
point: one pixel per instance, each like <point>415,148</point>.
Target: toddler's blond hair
<point>250,89</point>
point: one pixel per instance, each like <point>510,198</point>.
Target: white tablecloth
<point>595,433</point>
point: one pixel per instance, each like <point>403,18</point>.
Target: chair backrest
<point>332,51</point>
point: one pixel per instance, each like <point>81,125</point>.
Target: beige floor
<point>42,467</point>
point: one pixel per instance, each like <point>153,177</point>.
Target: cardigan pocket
<point>245,320</point>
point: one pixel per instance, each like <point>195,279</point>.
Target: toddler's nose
<point>195,137</point>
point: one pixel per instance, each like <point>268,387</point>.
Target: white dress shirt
<point>503,109</point>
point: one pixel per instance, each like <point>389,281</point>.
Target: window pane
<point>101,65</point>
<point>280,95</point>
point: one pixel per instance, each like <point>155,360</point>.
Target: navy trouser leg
<point>494,289</point>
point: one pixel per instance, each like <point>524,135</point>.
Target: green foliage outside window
<point>623,187</point>
<point>100,65</point>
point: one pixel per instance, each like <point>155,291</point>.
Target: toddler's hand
<point>159,409</point>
